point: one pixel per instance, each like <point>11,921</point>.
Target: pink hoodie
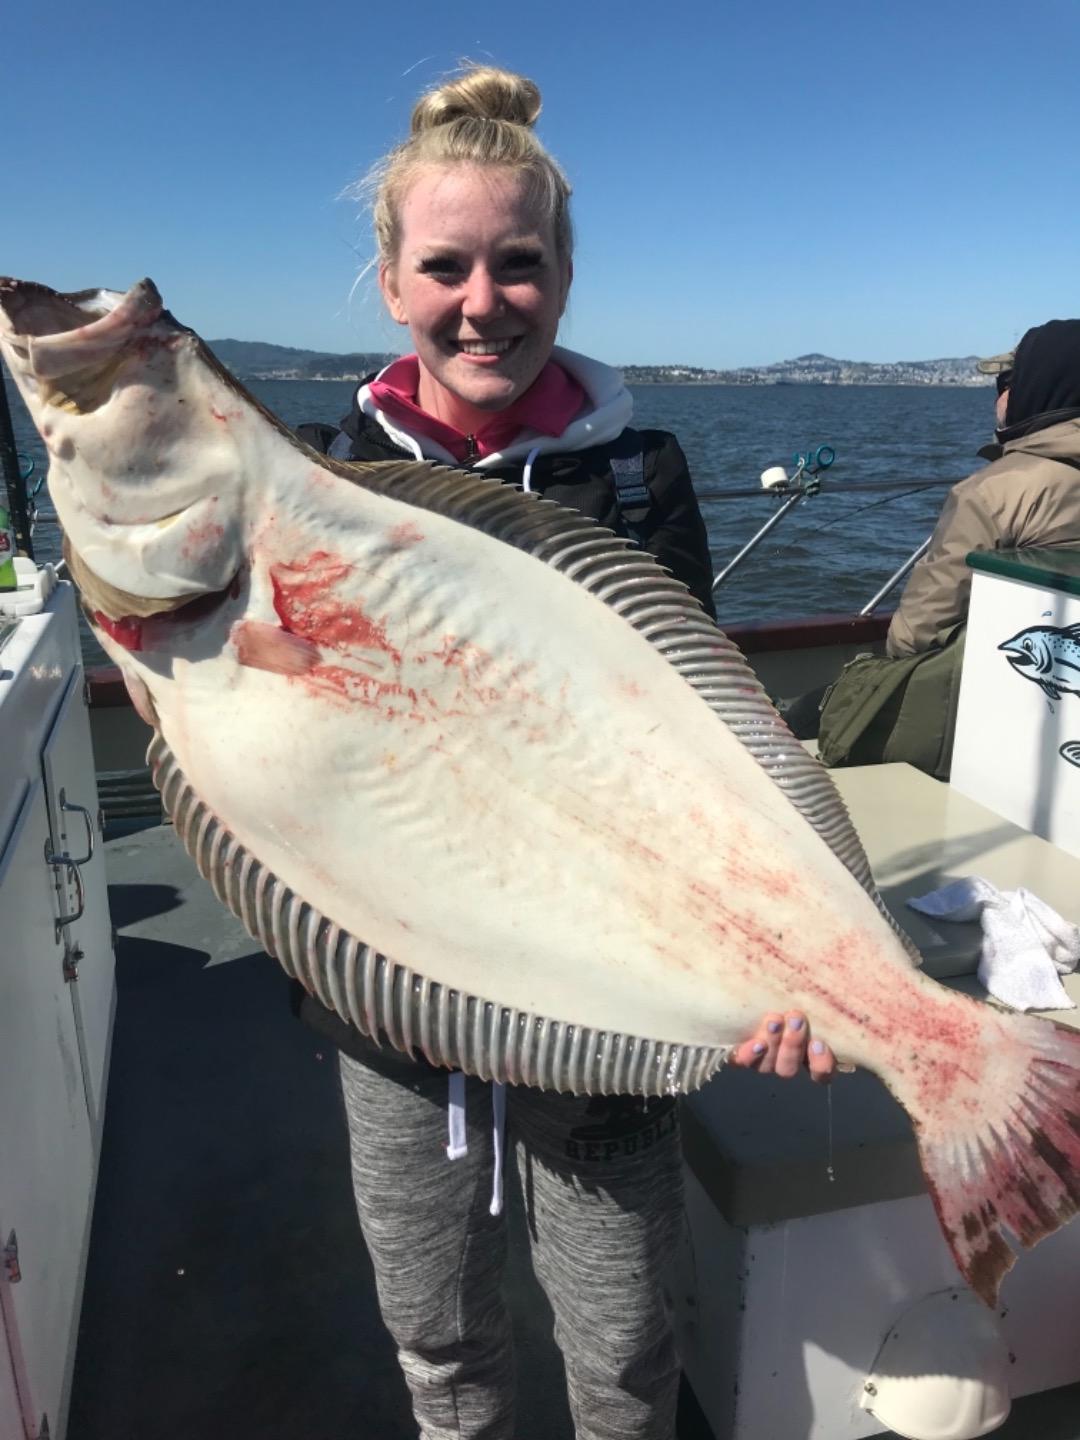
<point>547,407</point>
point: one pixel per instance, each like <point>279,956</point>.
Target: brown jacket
<point>1030,496</point>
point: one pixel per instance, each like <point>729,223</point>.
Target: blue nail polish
<point>759,1049</point>
<point>795,1022</point>
<point>818,1047</point>
<point>774,1027</point>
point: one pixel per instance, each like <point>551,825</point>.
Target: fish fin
<point>141,698</point>
<point>1019,1173</point>
<point>260,646</point>
<point>1050,691</point>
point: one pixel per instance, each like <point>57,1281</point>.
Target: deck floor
<point>228,1293</point>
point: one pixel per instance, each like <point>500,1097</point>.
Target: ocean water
<point>833,551</point>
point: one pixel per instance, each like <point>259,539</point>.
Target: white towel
<point>1026,945</point>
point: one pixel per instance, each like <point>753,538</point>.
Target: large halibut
<point>487,780</point>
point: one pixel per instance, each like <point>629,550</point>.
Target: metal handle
<point>88,820</point>
<point>72,867</point>
<point>80,898</point>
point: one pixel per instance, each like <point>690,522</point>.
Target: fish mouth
<point>1019,657</point>
<point>68,347</point>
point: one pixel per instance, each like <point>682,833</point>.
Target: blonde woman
<point>475,246</point>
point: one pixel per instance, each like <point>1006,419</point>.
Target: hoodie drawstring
<point>526,474</point>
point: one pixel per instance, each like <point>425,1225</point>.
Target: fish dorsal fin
<point>659,607</point>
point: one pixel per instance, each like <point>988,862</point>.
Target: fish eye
<point>1028,646</point>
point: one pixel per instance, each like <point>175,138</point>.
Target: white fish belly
<point>495,780</point>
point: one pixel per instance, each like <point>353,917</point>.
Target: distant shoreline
<point>979,384</point>
<point>259,360</point>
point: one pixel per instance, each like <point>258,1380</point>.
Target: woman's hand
<point>782,1046</point>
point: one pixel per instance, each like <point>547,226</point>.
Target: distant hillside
<point>259,360</point>
<point>817,370</point>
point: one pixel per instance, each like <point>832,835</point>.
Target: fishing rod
<point>894,579</point>
<point>827,487</point>
<point>18,504</point>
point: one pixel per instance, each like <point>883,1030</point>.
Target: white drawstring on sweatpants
<point>457,1144</point>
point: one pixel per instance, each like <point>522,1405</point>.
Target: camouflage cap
<point>995,364</point>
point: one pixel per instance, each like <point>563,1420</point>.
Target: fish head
<point>139,423</point>
<point>1031,652</point>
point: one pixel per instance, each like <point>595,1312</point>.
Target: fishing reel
<point>804,478</point>
<point>803,482</point>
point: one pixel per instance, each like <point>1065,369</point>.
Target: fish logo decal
<point>1049,656</point>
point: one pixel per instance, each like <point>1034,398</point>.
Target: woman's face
<point>479,283</point>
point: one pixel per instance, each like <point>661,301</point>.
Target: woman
<point>473,228</point>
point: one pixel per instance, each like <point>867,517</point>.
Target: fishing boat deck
<point>228,1292</point>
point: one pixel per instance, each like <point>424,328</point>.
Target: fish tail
<point>1006,1158</point>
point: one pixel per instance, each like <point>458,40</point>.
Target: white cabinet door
<point>46,1151</point>
<point>68,765</point>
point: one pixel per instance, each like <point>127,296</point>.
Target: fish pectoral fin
<point>1050,690</point>
<point>261,646</point>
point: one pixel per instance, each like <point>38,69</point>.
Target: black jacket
<point>669,526</point>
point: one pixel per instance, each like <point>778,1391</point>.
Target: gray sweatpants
<point>602,1185</point>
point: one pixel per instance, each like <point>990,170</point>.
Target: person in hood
<point>473,229</point>
<point>1029,495</point>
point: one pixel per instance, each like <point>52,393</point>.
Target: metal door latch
<point>12,1273</point>
<point>71,963</point>
<point>72,864</point>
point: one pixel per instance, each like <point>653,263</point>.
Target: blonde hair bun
<point>480,92</point>
<point>481,116</point>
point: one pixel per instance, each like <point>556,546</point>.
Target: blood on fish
<point>306,605</point>
<point>201,537</point>
<point>407,533</point>
<point>136,632</point>
<point>127,631</point>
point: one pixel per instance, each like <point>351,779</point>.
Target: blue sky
<point>752,181</point>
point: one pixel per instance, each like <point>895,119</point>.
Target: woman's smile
<point>485,349</point>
